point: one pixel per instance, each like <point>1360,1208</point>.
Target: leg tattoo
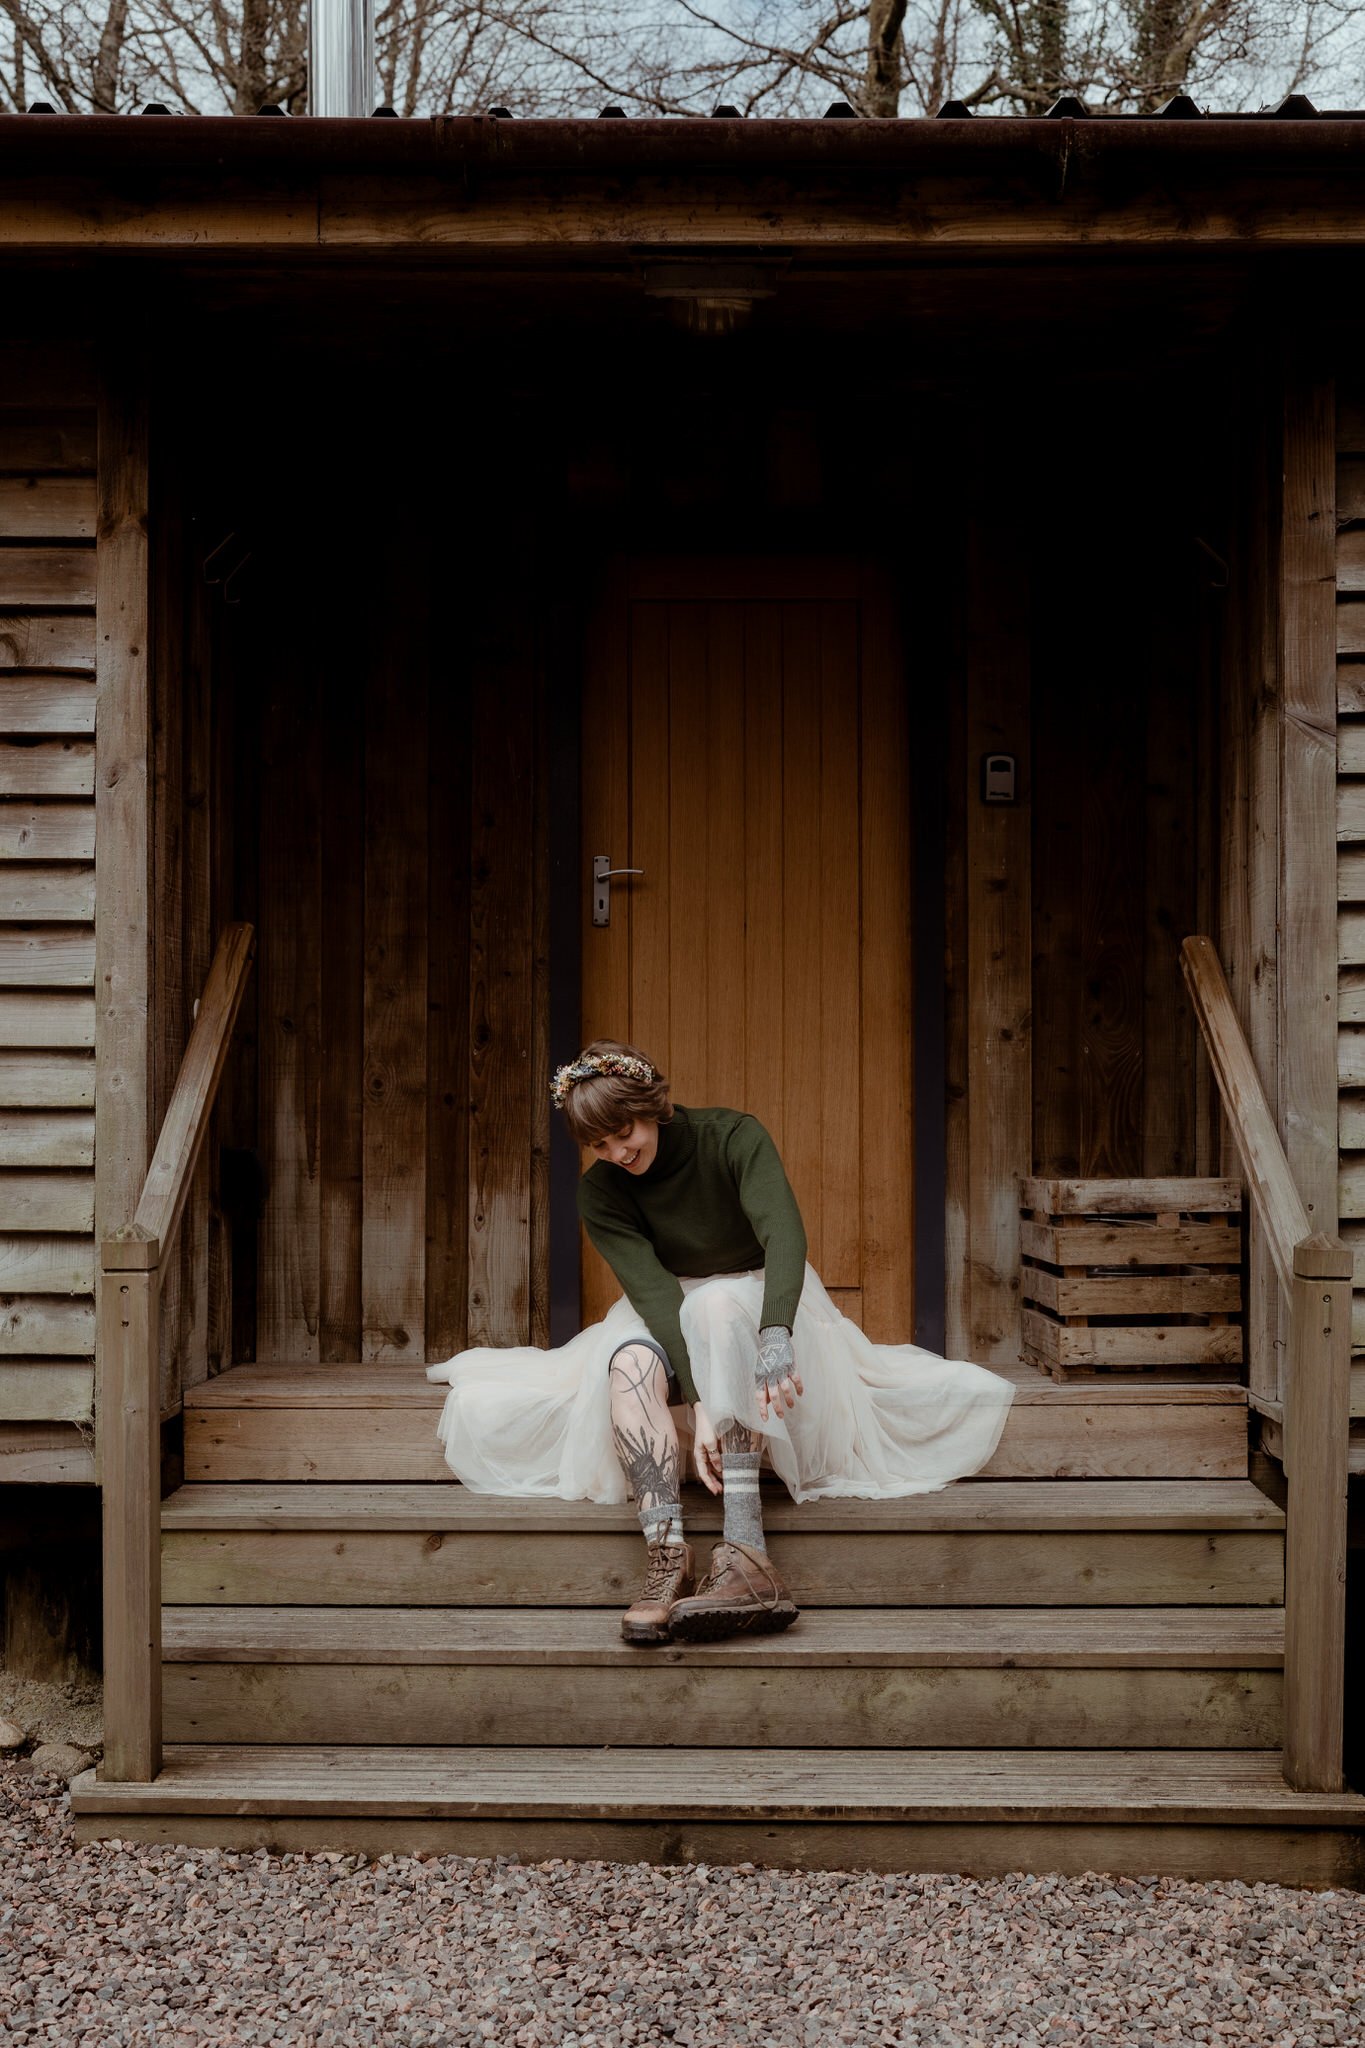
<point>646,1440</point>
<point>739,1474</point>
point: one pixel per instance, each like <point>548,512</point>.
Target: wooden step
<point>355,1423</point>
<point>985,1812</point>
<point>1035,1677</point>
<point>978,1543</point>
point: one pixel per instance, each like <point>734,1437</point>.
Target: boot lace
<point>664,1559</point>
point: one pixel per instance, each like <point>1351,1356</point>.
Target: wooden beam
<point>130,1457</point>
<point>1307,979</point>
<point>1317,1428</point>
<point>1278,1205</point>
<point>123,939</point>
<point>163,1196</point>
<point>999,952</point>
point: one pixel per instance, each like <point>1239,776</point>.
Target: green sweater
<point>715,1200</point>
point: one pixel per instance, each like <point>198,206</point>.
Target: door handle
<point>602,873</point>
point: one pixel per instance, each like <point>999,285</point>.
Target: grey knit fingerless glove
<point>776,1359</point>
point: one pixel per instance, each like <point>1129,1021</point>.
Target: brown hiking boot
<point>741,1594</point>
<point>668,1577</point>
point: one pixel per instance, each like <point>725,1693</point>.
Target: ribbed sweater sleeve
<point>652,1291</point>
<point>767,1200</point>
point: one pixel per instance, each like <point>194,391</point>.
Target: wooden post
<point>1307,981</point>
<point>999,984</point>
<point>129,1334</point>
<point>1317,1411</point>
<point>123,1134</point>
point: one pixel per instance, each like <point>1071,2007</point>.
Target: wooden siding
<point>1071,1049</point>
<point>47,910</point>
<point>1350,791</point>
<point>378,812</point>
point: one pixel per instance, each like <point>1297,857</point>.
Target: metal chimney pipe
<point>341,58</point>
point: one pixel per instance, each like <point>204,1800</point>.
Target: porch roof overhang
<point>479,186</point>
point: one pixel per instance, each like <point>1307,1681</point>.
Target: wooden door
<point>745,744</point>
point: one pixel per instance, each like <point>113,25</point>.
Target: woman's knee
<point>716,1306</point>
<point>637,1369</point>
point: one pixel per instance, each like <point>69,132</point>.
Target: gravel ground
<point>112,1944</point>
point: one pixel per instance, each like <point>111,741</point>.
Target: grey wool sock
<point>743,1510</point>
<point>662,1521</point>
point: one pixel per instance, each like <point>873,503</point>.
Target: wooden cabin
<point>929,558</point>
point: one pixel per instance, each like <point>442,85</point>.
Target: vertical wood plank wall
<point>47,909</point>
<point>1070,1047</point>
<point>1350,643</point>
<point>386,833</point>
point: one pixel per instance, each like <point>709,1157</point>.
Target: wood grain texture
<point>46,704</point>
<point>47,767</point>
<point>1092,1438</point>
<point>999,991</point>
<point>47,1137</point>
<point>48,892</point>
<point>1312,1857</point>
<point>1063,1508</point>
<point>341,1204</point>
<point>393,1230</point>
<point>46,1326</point>
<point>289,989</point>
<point>42,1390</point>
<point>42,1079</point>
<point>823,1708</point>
<point>1317,1427</point>
<point>37,507</point>
<point>500,995</point>
<point>46,1200</point>
<point>886,1205</point>
<point>47,641</point>
<point>766,794</point>
<point>48,441</point>
<point>833,1638</point>
<point>1307,839</point>
<point>130,1448</point>
<point>1243,1788</point>
<point>34,1264</point>
<point>123,983</point>
<point>948,1568</point>
<point>46,1454</point>
<point>53,577</point>
<point>47,832</point>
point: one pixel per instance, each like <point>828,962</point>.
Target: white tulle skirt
<point>875,1421</point>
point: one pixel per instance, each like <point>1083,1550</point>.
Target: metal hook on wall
<point>231,578</point>
<point>1222,581</point>
<point>214,553</point>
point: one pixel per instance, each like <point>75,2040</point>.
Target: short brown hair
<point>601,1104</point>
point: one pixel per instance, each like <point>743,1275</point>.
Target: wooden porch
<point>1120,1646</point>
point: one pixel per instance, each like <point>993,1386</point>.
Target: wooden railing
<point>134,1263</point>
<point>1315,1273</point>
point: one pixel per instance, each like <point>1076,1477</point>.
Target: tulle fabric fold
<point>876,1421</point>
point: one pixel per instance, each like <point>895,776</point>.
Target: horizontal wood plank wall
<point>1350,640</point>
<point>47,931</point>
<point>389,858</point>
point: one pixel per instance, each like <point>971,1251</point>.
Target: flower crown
<point>613,1065</point>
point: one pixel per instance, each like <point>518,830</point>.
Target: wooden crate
<point>1132,1276</point>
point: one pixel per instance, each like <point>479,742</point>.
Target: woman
<point>694,1214</point>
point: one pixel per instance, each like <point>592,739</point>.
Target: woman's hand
<point>779,1383</point>
<point>706,1450</point>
